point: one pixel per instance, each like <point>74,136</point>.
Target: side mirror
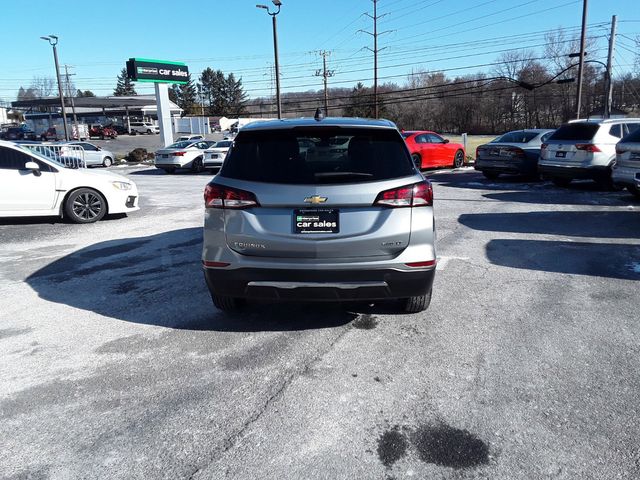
<point>34,167</point>
<point>98,148</point>
<point>446,140</point>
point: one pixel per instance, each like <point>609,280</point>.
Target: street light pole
<point>53,41</point>
<point>583,37</point>
<point>278,4</point>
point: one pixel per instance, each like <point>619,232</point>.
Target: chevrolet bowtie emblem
<point>315,199</point>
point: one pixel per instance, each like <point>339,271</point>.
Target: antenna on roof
<point>319,115</point>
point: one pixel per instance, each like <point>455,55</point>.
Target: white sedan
<point>33,185</point>
<point>187,154</point>
<point>214,156</point>
<point>93,155</point>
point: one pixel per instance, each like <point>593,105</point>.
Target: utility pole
<point>583,38</point>
<point>608,99</point>
<point>53,41</point>
<point>325,74</point>
<point>375,51</point>
<point>70,95</point>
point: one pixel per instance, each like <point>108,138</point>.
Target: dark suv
<point>19,133</point>
<point>319,210</point>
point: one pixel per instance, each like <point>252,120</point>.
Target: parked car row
<point>600,150</point>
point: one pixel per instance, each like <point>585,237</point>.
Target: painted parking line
<point>442,261</point>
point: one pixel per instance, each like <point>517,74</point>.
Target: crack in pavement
<point>233,439</point>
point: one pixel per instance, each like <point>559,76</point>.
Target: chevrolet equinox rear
<point>319,210</point>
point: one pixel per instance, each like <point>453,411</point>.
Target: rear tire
<point>634,191</point>
<point>561,182</point>
<point>458,159</point>
<point>226,304</point>
<point>490,175</point>
<point>417,304</point>
<point>197,166</point>
<point>417,160</point>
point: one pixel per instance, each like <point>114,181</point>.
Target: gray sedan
<point>515,152</point>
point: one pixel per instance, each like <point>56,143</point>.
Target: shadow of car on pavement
<point>158,280</point>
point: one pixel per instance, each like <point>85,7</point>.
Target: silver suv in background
<point>626,170</point>
<point>319,210</point>
<point>584,149</point>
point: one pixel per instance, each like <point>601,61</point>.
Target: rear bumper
<point>526,166</point>
<point>594,173</point>
<point>625,176</point>
<point>318,285</point>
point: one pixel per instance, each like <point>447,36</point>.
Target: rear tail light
<point>619,150</point>
<point>179,154</point>
<point>588,147</point>
<point>215,264</point>
<point>515,152</point>
<point>219,196</point>
<point>427,263</point>
<point>544,146</point>
<point>416,195</point>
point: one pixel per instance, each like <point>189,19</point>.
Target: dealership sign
<point>158,71</point>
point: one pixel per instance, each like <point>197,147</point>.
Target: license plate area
<point>316,220</point>
<point>165,155</point>
<point>561,154</point>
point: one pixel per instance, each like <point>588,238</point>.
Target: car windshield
<point>333,155</point>
<point>520,136</point>
<point>575,131</point>
<point>182,144</point>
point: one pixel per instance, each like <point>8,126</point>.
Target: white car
<point>186,154</point>
<point>193,138</point>
<point>214,156</point>
<point>143,127</point>
<point>93,155</point>
<point>34,185</point>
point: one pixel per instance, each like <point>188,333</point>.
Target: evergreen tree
<point>360,102</point>
<point>236,97</point>
<point>86,93</point>
<point>124,87</point>
<point>185,97</point>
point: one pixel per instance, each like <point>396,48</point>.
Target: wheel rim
<point>87,206</point>
<point>107,162</point>
<point>458,161</point>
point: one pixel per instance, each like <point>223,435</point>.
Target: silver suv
<point>319,210</point>
<point>584,149</point>
<point>626,170</point>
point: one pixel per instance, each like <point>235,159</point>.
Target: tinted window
<point>575,131</point>
<point>632,127</point>
<point>184,144</point>
<point>517,137</point>
<point>224,144</point>
<point>337,156</point>
<point>12,160</point>
<point>433,138</point>
<point>616,131</point>
<point>634,136</point>
<point>545,137</point>
<point>421,139</point>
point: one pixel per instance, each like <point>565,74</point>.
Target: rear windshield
<point>318,156</point>
<point>516,137</point>
<point>575,131</point>
<point>223,144</point>
<point>181,144</point>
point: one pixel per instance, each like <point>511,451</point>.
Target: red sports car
<point>430,150</point>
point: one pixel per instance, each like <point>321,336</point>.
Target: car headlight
<point>122,185</point>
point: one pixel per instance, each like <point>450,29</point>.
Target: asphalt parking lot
<point>115,364</point>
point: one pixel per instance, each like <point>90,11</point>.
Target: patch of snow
<point>634,267</point>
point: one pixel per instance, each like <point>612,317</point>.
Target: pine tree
<point>124,87</point>
<point>236,97</point>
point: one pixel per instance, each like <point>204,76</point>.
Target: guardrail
<point>71,156</point>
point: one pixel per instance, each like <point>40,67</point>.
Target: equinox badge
<point>315,199</point>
